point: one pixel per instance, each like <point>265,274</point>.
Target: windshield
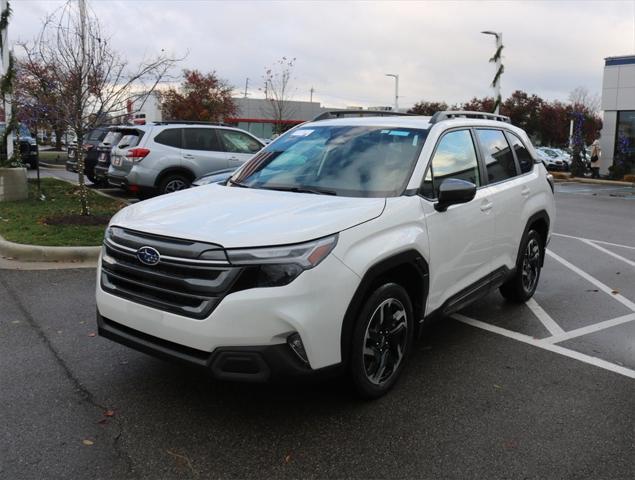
<point>354,161</point>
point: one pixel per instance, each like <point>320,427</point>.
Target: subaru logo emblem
<point>148,256</point>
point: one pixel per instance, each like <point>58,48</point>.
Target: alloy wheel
<point>175,185</point>
<point>531,265</point>
<point>385,341</point>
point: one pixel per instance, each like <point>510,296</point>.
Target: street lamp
<point>396,77</point>
<point>499,67</point>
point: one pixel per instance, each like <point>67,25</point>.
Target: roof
<point>622,60</point>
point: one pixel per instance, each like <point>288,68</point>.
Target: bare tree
<point>277,79</point>
<point>95,82</point>
<point>582,96</point>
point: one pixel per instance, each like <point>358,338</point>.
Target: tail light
<point>87,146</point>
<point>137,154</point>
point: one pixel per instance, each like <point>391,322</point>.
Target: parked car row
<point>162,157</point>
<point>554,158</point>
<point>29,152</point>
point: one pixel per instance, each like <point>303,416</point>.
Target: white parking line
<point>596,327</point>
<point>598,362</point>
<point>608,252</point>
<point>605,288</point>
<point>594,241</point>
<point>544,317</point>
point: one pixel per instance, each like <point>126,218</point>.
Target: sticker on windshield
<point>399,133</point>
<point>302,133</point>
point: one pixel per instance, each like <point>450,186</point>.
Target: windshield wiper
<point>301,189</point>
<point>238,184</point>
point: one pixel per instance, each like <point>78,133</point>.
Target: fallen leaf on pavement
<point>287,459</point>
<point>109,413</point>
<point>498,386</point>
<point>92,334</point>
<point>88,443</point>
<point>615,292</point>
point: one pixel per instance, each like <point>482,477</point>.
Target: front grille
<point>180,283</point>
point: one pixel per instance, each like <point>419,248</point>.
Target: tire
<point>522,285</point>
<point>377,356</point>
<point>174,182</point>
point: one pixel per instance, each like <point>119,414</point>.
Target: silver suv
<point>164,157</point>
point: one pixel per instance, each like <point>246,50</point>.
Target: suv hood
<point>247,217</point>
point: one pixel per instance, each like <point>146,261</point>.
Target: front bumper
<point>313,305</point>
<point>242,363</point>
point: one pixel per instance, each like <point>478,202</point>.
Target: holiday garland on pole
<point>500,68</point>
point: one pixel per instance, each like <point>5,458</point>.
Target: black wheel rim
<point>385,341</point>
<point>531,265</point>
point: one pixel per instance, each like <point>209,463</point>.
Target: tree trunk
<point>83,190</point>
<point>58,138</point>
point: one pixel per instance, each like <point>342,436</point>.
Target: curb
<point>52,165</point>
<point>595,181</point>
<point>40,253</point>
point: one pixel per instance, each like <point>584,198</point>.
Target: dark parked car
<point>93,139</point>
<point>104,149</point>
<point>29,152</point>
<point>220,176</point>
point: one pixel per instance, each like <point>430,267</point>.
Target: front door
<point>202,151</point>
<point>461,237</point>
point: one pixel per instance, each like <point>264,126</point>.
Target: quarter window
<point>455,157</point>
<point>238,142</point>
<point>525,161</point>
<point>201,139</point>
<point>170,137</point>
<point>499,158</point>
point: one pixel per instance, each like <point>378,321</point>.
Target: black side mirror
<point>453,191</point>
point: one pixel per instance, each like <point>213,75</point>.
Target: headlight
<point>277,266</point>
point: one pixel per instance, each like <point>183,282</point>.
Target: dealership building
<point>618,103</point>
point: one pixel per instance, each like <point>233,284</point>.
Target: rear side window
<point>455,157</point>
<point>525,161</point>
<point>97,135</point>
<point>128,141</point>
<point>238,142</point>
<point>170,137</point>
<point>112,138</point>
<point>498,156</point>
<point>201,139</point>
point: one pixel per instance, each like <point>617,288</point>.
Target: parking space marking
<point>605,288</point>
<point>608,252</point>
<point>548,322</point>
<point>594,241</point>
<point>598,362</point>
<point>578,332</point>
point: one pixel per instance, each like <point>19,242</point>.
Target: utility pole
<point>4,57</point>
<point>497,59</point>
<point>396,77</point>
<point>311,98</point>
<point>246,87</point>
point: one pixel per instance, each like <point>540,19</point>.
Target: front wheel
<point>523,284</point>
<point>174,183</point>
<point>382,339</point>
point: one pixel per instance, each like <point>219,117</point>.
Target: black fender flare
<point>369,280</point>
<point>540,215</point>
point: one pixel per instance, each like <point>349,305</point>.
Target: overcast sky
<point>344,49</point>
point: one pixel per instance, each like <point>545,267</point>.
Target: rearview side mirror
<point>454,191</point>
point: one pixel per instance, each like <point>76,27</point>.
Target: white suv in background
<point>164,157</point>
<point>328,250</point>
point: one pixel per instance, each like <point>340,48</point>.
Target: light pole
<point>499,68</point>
<point>396,77</point>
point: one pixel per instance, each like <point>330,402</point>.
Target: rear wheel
<point>523,284</point>
<point>173,183</point>
<point>382,339</point>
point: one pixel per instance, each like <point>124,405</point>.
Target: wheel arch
<point>408,269</point>
<point>174,171</point>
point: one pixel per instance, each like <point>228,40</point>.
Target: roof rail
<point>358,113</point>
<point>449,114</point>
<point>190,122</point>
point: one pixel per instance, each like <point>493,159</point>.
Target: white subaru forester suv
<point>328,250</point>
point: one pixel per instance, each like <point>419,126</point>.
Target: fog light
<point>295,342</point>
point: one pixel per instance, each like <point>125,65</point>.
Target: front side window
<point>455,157</point>
<point>97,135</point>
<point>355,161</point>
<point>525,161</point>
<point>170,137</point>
<point>498,156</point>
<point>201,139</point>
<point>238,142</point>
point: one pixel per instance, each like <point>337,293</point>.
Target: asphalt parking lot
<point>542,390</point>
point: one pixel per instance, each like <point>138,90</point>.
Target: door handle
<point>486,206</point>
<point>188,156</point>
<point>525,191</point>
<point>235,159</point>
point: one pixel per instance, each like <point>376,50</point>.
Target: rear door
<point>239,146</point>
<point>202,151</point>
<point>509,192</point>
<point>461,237</point>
